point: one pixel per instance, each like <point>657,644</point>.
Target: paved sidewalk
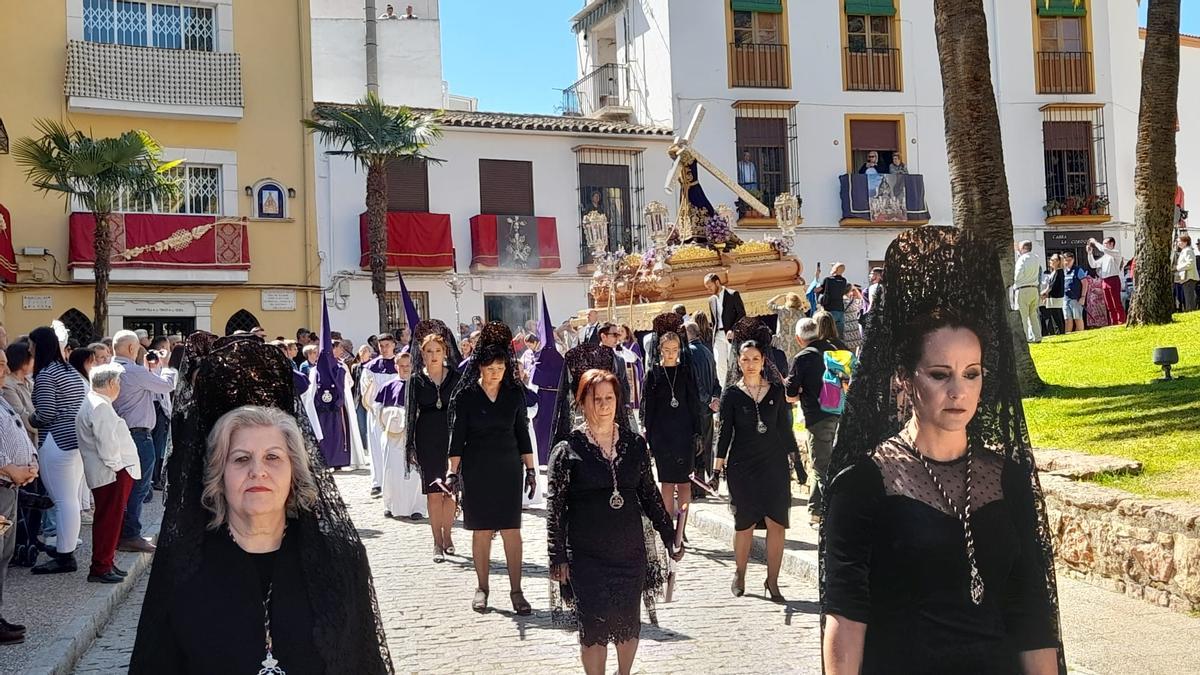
<point>63,612</point>
<point>1103,632</point>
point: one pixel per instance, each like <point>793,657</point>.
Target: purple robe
<point>545,373</point>
<point>329,401</point>
<point>392,394</point>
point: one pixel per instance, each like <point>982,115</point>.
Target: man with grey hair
<point>804,387</point>
<point>110,466</point>
<point>1027,279</point>
<point>135,404</point>
<point>143,337</point>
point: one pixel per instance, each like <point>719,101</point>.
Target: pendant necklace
<point>762,426</point>
<point>437,387</point>
<point>270,666</point>
<point>964,516</point>
<point>615,501</point>
<point>671,382</point>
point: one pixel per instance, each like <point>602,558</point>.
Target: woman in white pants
<point>58,393</point>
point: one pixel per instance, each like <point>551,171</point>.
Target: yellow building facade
<point>218,83</point>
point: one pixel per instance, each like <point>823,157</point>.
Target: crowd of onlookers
<point>1070,295</point>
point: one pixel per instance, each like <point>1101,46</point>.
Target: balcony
<point>163,248</point>
<point>873,69</point>
<point>147,81</point>
<point>603,93</point>
<point>1092,208</point>
<point>415,241</point>
<point>517,244</point>
<point>761,65</point>
<point>1064,72</point>
<point>887,200</point>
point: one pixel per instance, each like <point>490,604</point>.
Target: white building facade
<point>543,171</point>
<point>803,91</point>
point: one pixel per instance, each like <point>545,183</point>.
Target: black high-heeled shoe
<point>776,596</point>
<point>739,589</point>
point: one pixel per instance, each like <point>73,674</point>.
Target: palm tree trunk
<point>1154,178</point>
<point>377,236</point>
<point>102,268</point>
<point>978,184</point>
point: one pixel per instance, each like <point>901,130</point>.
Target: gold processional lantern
<point>595,230</point>
<point>655,215</point>
<point>787,213</point>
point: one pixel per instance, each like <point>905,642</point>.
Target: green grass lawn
<point>1100,399</point>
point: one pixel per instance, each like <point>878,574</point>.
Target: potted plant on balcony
<point>743,208</point>
<point>1100,206</point>
<point>1053,208</point>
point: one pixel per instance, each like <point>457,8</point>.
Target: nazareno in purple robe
<point>329,401</point>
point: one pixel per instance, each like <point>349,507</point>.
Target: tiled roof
<point>560,123</point>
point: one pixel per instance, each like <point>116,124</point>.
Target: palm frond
<point>373,132</point>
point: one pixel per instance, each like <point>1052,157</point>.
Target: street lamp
<point>457,283</point>
<point>608,263</point>
<point>655,215</point>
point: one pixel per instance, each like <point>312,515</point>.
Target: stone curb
<point>73,640</point>
<point>715,520</point>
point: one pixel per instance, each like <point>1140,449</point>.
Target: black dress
<point>429,426</point>
<point>671,431</point>
<point>756,468</point>
<point>605,547</point>
<point>216,620</point>
<point>895,559</point>
<point>491,436</point>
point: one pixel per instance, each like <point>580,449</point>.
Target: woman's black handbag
<point>32,500</point>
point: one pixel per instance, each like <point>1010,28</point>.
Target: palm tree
<point>101,173</point>
<point>979,198</point>
<point>1154,177</point>
<point>375,134</point>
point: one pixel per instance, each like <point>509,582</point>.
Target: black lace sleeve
<point>458,421</point>
<point>849,534</point>
<point>727,411</point>
<point>558,486</point>
<point>521,424</point>
<point>648,495</point>
<point>783,410</point>
<point>1028,610</point>
<point>412,409</point>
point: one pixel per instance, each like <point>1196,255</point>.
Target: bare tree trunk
<point>980,197</point>
<point>102,268</point>
<point>1154,179</point>
<point>377,236</point>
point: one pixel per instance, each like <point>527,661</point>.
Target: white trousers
<point>375,434</point>
<point>1027,305</point>
<point>61,473</point>
<point>721,351</point>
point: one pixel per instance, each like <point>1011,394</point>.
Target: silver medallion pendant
<point>976,586</point>
<point>327,396</point>
<point>674,402</point>
<point>270,666</point>
<point>616,501</point>
<point>439,404</point>
<point>762,427</point>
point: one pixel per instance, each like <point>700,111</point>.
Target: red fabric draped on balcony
<point>164,241</point>
<point>415,240</point>
<point>8,261</point>
<point>514,243</point>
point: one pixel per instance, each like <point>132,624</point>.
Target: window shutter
<point>1061,8</point>
<point>506,187</point>
<point>771,6</point>
<point>1067,135</point>
<point>408,185</point>
<point>874,7</point>
<point>761,131</point>
<point>874,135</point>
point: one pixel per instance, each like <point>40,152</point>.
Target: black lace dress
<point>604,547</point>
<point>756,464</point>
<point>895,559</point>
<point>672,431</point>
<point>429,426</point>
<point>491,436</point>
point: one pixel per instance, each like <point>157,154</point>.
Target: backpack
<point>840,365</point>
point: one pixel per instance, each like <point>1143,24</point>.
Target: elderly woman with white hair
<point>110,465</point>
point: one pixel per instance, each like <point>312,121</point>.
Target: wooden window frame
<point>1086,22</point>
<point>785,111</point>
<point>525,165</point>
<point>783,41</point>
<point>896,43</point>
<point>901,129</point>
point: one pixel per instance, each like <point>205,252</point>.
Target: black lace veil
<point>946,268</point>
<point>746,329</point>
<point>577,361</point>
<point>217,376</point>
<point>453,358</point>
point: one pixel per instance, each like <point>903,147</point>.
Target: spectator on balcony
<point>1185,271</point>
<point>1026,282</point>
<point>390,13</point>
<point>1106,260</point>
<point>408,13</point>
<point>871,166</point>
<point>897,166</point>
<point>1073,293</point>
<point>747,172</point>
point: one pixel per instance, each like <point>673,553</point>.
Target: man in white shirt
<point>726,308</point>
<point>1026,279</point>
<point>110,466</point>
<point>1185,271</point>
<point>1107,261</point>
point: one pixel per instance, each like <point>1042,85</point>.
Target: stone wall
<point>1145,548</point>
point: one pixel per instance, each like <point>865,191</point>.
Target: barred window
<point>611,181</point>
<point>241,320</point>
<point>396,319</point>
<point>78,324</point>
<point>199,194</point>
<point>143,24</point>
<point>767,152</point>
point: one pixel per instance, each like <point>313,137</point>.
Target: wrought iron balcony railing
<point>606,87</point>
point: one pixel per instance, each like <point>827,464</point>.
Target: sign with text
<point>278,300</point>
<point>36,302</point>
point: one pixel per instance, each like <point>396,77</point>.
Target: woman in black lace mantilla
<point>600,487</point>
<point>935,552</point>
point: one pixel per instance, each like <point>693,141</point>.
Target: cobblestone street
<point>430,625</point>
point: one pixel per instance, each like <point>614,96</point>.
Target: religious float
<point>633,288</point>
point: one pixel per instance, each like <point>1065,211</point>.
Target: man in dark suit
<point>609,335</point>
<point>590,333</point>
<point>725,306</point>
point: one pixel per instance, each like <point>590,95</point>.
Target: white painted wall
<point>454,190</point>
<point>409,59</point>
<point>1188,138</point>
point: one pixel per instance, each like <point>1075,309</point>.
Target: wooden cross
<point>684,153</point>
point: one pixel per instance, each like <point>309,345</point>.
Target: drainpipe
<point>372,47</point>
